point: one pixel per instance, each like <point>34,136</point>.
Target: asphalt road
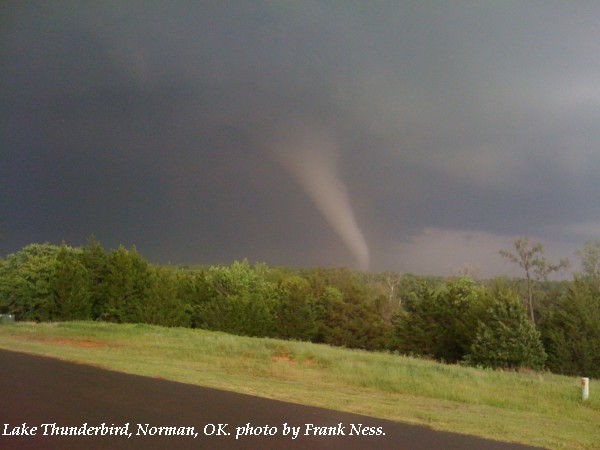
<point>37,392</point>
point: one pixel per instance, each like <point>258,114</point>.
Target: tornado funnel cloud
<point>311,158</point>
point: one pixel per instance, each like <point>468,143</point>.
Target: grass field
<point>538,409</point>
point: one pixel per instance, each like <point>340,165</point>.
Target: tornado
<point>311,157</point>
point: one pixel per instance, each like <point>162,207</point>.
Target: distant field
<point>537,409</point>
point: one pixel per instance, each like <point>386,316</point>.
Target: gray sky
<point>414,136</point>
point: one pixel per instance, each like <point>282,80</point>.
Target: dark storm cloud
<point>456,125</point>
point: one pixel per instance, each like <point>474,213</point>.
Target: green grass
<point>538,409</point>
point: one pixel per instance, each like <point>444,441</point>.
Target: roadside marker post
<point>585,388</point>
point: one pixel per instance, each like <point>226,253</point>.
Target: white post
<point>585,388</point>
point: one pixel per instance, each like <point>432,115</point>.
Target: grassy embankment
<point>537,409</point>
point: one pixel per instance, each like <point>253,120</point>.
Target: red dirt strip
<point>37,392</point>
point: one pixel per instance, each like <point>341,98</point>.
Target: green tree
<point>194,291</point>
<point>25,283</point>
<point>439,323</point>
<point>238,300</point>
<point>347,314</point>
<point>70,287</point>
<point>571,330</point>
<point>530,257</point>
<point>127,287</point>
<point>163,306</point>
<point>415,325</point>
<point>296,312</point>
<point>506,337</point>
<point>95,260</point>
<point>329,317</point>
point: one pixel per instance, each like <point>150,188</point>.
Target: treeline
<point>44,282</point>
<point>483,323</point>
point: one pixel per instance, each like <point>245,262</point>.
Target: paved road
<point>36,390</point>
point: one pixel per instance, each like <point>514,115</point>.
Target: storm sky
<point>413,136</point>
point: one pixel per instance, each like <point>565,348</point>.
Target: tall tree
<point>590,261</point>
<point>530,257</point>
<point>95,260</point>
<point>571,326</point>
<point>440,323</point>
<point>296,314</point>
<point>70,286</point>
<point>506,338</point>
<point>163,306</point>
<point>25,279</point>
<point>238,300</point>
<point>387,293</point>
<point>127,287</point>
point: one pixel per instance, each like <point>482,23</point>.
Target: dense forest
<point>499,323</point>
